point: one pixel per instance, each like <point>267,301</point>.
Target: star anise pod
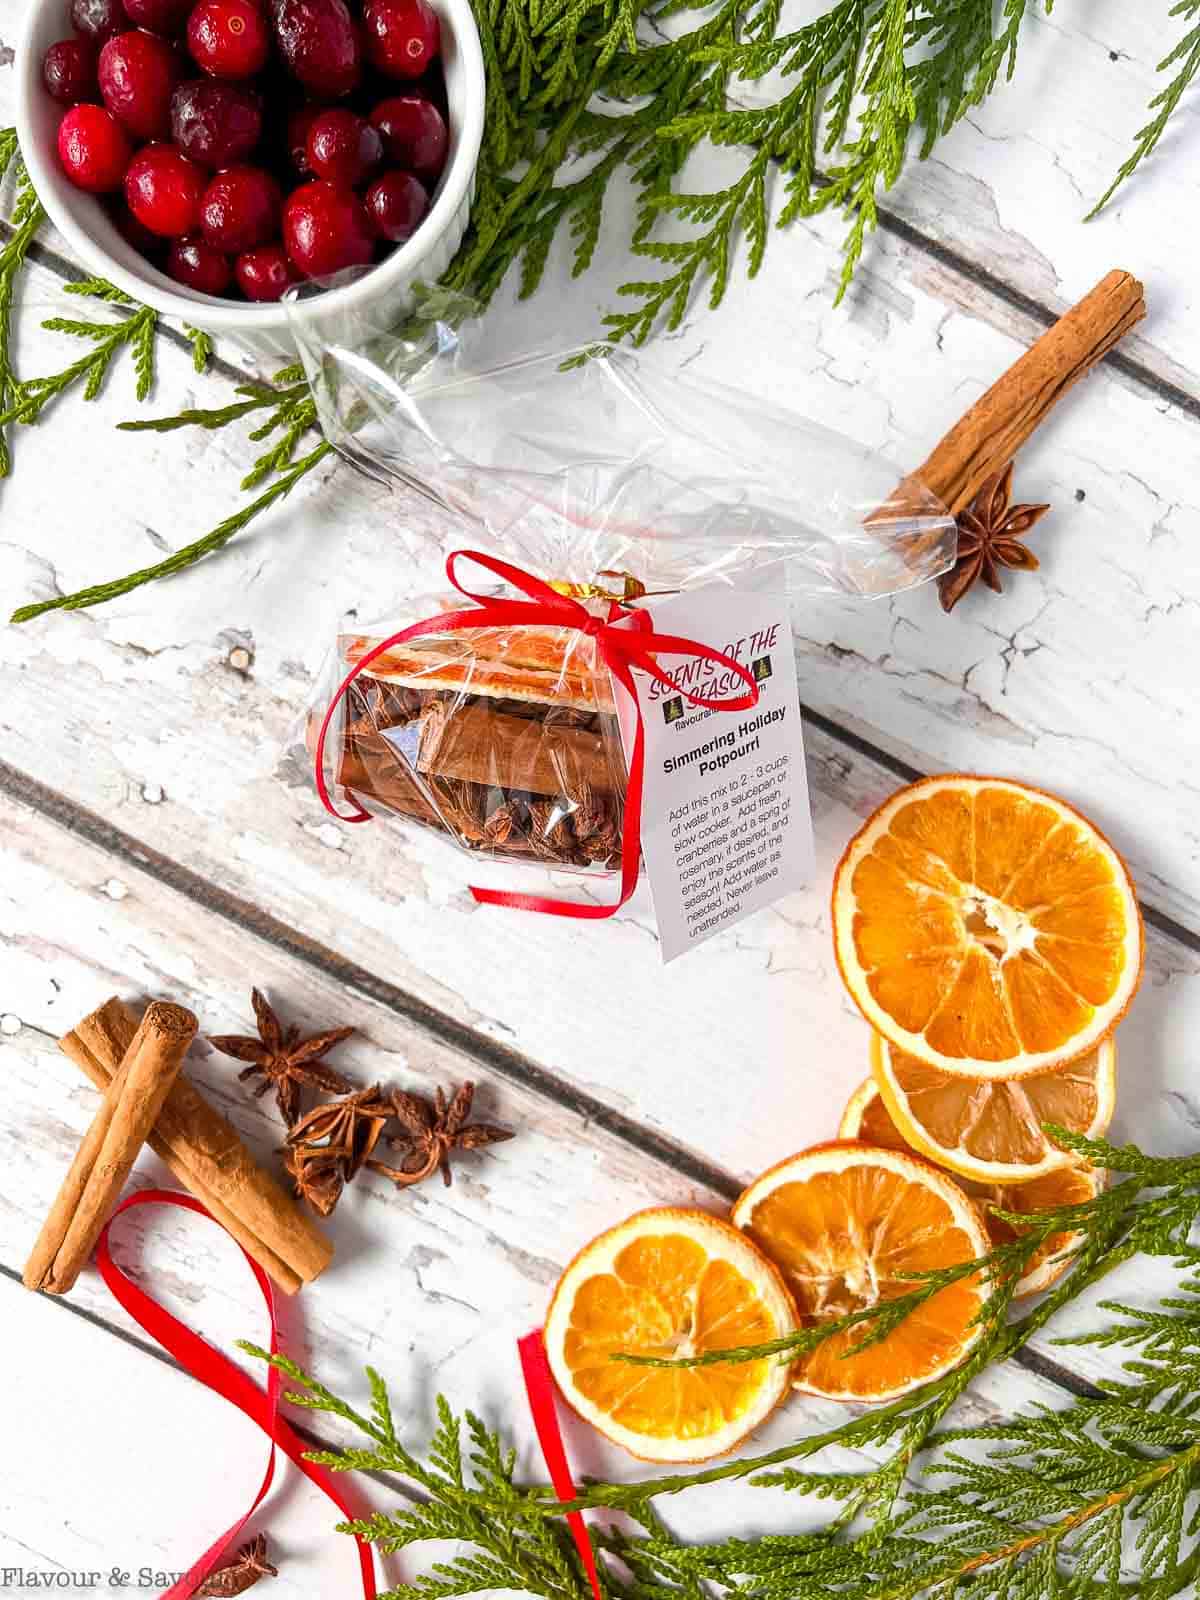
<point>284,1060</point>
<point>352,1125</point>
<point>318,1174</point>
<point>990,534</point>
<point>247,1567</point>
<point>432,1132</point>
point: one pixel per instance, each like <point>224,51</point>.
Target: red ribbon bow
<point>621,649</point>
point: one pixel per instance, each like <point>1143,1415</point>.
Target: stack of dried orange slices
<point>991,936</point>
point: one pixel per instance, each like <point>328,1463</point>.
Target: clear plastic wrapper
<point>606,476</point>
<point>505,739</point>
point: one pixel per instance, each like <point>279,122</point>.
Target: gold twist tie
<point>632,589</point>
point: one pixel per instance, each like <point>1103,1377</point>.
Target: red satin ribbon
<point>539,1387</point>
<point>220,1374</point>
<point>621,649</point>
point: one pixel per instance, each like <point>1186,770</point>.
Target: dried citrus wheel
<point>986,928</point>
<point>990,1129</point>
<point>669,1283</point>
<point>866,1117</point>
<point>848,1225</point>
<point>1068,1186</point>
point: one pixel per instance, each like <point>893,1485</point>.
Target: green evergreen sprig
<point>134,333</point>
<point>1092,1501</point>
<point>289,477</point>
<point>27,218</point>
<point>1186,57</point>
<point>585,94</point>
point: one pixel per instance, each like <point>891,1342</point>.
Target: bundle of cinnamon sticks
<point>518,779</point>
<point>147,1100</point>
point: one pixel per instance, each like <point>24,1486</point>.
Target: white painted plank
<point>145,1484</point>
<point>74,927</point>
<point>1076,678</point>
<point>432,1288</point>
<point>129,1469</point>
<point>135,713</point>
<point>433,1297</point>
<point>1012,185</point>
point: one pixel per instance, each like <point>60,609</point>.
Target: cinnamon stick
<point>998,424</point>
<point>106,1157</point>
<point>474,744</point>
<point>66,1203</point>
<point>206,1155</point>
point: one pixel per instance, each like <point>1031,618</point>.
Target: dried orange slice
<point>1068,1186</point>
<point>867,1117</point>
<point>844,1223</point>
<point>669,1283</point>
<point>990,1129</point>
<point>986,928</point>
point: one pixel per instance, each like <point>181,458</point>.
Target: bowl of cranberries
<point>207,156</point>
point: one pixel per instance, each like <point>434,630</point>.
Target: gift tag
<point>726,823</point>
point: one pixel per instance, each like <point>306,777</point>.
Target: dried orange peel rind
<point>986,927</point>
<point>669,1283</point>
<point>845,1222</point>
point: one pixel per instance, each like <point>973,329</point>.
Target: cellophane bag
<point>604,474</point>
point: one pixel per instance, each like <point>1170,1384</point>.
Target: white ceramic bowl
<point>385,291</point>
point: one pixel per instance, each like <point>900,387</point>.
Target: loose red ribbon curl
<point>220,1374</point>
<point>539,1387</point>
<point>621,649</point>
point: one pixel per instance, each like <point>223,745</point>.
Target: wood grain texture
<point>432,1288</point>
<point>780,1091</point>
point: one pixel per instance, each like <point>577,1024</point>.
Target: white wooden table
<point>148,846</point>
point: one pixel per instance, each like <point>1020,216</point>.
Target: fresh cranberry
<point>163,189</point>
<point>344,147</point>
<point>320,44</point>
<point>94,149</point>
<point>159,16</point>
<point>299,124</point>
<point>216,124</point>
<point>266,273</point>
<point>194,262</point>
<point>69,71</point>
<point>98,20</point>
<point>402,36</point>
<point>138,73</point>
<point>325,229</point>
<point>240,209</point>
<point>228,38</point>
<point>396,204</point>
<point>414,133</point>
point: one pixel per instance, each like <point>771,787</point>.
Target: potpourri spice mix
<point>507,740</point>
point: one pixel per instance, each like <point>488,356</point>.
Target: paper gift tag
<point>726,822</point>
